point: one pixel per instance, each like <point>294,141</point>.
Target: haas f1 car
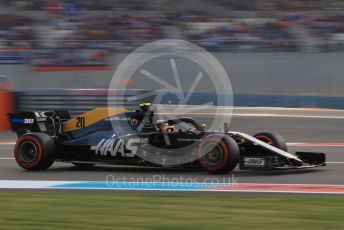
<point>120,137</point>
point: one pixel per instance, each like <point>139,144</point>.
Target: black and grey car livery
<point>121,137</point>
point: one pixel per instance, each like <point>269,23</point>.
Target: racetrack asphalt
<point>312,127</point>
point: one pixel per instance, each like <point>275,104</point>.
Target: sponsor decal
<point>22,120</point>
<point>28,121</point>
<point>115,147</point>
<point>17,120</point>
<point>117,119</point>
<point>254,162</point>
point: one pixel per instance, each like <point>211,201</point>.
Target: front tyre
<point>34,151</point>
<point>218,154</point>
<point>273,139</point>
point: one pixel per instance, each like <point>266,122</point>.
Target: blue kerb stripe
<point>140,185</point>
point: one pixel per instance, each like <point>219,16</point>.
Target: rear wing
<point>47,122</point>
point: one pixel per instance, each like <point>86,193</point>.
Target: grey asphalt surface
<point>320,126</point>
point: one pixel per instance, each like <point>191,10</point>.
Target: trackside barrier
<point>260,100</point>
<point>76,101</point>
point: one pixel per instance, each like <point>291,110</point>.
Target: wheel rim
<point>28,152</point>
<point>213,154</point>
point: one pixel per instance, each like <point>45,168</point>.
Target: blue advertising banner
<point>14,55</point>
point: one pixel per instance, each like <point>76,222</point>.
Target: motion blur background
<point>277,53</point>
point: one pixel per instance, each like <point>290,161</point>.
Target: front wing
<point>299,160</point>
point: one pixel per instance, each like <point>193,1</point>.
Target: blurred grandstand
<point>302,42</point>
<point>62,27</point>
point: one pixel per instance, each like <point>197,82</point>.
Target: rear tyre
<point>83,165</point>
<point>218,154</point>
<point>272,138</point>
<point>34,151</point>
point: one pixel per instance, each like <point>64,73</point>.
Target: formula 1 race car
<point>120,137</point>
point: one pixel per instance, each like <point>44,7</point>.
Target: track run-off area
<point>314,130</point>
